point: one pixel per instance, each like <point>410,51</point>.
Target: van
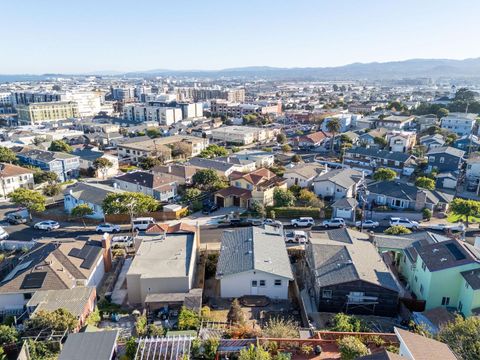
<point>142,223</point>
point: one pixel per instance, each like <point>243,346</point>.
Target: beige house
<point>245,188</point>
<point>401,141</point>
<point>13,177</point>
<point>163,269</point>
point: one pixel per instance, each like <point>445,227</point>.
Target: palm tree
<point>333,126</point>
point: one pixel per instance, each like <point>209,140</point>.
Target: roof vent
<point>436,250</point>
<point>248,252</point>
<point>443,259</point>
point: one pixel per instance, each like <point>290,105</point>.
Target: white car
<point>367,224</point>
<point>296,236</point>
<point>409,224</point>
<point>445,227</point>
<point>272,222</point>
<point>303,222</point>
<point>122,241</point>
<point>107,228</point>
<point>47,225</point>
<point>3,234</point>
<point>334,223</point>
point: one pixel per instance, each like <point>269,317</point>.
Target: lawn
<point>453,218</point>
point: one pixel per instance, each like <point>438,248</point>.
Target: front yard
<point>454,218</point>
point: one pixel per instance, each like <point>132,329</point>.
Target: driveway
<point>210,219</point>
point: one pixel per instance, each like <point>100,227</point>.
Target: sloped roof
<point>307,170</point>
<point>74,300</point>
<point>89,345</point>
<point>404,191</point>
<point>447,150</point>
<point>379,154</point>
<point>341,177</point>
<point>253,248</point>
<point>91,193</point>
<point>146,179</point>
<point>7,170</point>
<point>345,203</point>
<point>446,254</point>
<point>423,348</point>
<point>170,229</point>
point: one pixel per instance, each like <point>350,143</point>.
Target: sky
<point>58,36</point>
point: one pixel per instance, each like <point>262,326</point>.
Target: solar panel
<point>455,251</point>
<point>34,280</point>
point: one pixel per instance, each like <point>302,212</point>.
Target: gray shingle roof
<point>447,150</point>
<point>444,255</point>
<point>74,300</point>
<point>90,192</point>
<point>210,164</point>
<point>404,191</point>
<point>342,261</point>
<point>97,345</point>
<point>342,177</point>
<point>345,203</point>
<point>253,248</point>
<point>379,154</point>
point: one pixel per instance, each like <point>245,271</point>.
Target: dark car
<point>209,208</point>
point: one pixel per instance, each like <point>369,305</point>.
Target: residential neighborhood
<point>186,190</point>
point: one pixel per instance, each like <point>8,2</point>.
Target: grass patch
<point>218,315</point>
<point>453,218</point>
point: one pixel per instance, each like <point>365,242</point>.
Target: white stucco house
<point>254,261</point>
<point>303,174</point>
<point>13,177</point>
<point>337,184</point>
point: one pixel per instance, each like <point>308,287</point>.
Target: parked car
<point>3,234</point>
<point>445,227</point>
<point>142,223</point>
<point>296,236</point>
<point>409,224</point>
<point>272,222</point>
<point>255,222</point>
<point>239,223</point>
<point>367,224</point>
<point>15,219</point>
<point>47,225</point>
<point>209,208</point>
<point>333,223</point>
<point>122,241</point>
<point>107,228</point>
<point>303,222</point>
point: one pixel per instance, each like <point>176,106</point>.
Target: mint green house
<point>442,272</point>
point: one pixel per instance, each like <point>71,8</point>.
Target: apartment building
<point>459,123</point>
<point>242,135</point>
<point>142,113</point>
<point>202,94</point>
<point>38,113</point>
<point>66,166</point>
<point>34,96</point>
<point>396,122</point>
<point>224,107</point>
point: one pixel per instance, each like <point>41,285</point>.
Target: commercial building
<point>142,113</point>
<point>242,135</point>
<point>38,113</point>
<point>226,108</point>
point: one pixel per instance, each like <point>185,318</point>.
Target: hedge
<point>294,212</point>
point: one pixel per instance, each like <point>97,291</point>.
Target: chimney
<point>420,200</point>
<point>371,236</point>
<point>107,252</point>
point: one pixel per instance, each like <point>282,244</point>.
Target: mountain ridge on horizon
<point>355,71</point>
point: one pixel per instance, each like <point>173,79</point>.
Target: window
<point>421,289</point>
<point>278,282</point>
<point>262,283</point>
<point>327,294</point>
<point>424,266</point>
<point>27,296</point>
<point>431,159</point>
<point>445,301</point>
<point>416,278</point>
<point>254,283</point>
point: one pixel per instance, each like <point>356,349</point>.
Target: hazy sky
<point>95,35</point>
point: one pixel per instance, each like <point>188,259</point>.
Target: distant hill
<point>414,68</point>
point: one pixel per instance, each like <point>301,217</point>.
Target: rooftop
<point>92,193</point>
<point>73,300</point>
<point>98,345</point>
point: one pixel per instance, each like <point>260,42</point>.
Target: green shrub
<point>427,214</point>
<point>351,348</point>
<point>397,230</point>
<point>295,212</point>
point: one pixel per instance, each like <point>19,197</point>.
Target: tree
<point>141,326</point>
<point>235,314</point>
<point>281,328</point>
<point>396,106</point>
<point>308,198</point>
<point>40,177</point>
<point>463,337</point>
<point>384,174</point>
<point>52,189</point>
<point>254,353</point>
<point>397,230</point>
<point>81,211</point>
<point>37,140</point>
<point>212,151</point>
<point>348,323</point>
<point>8,334</point>
<point>181,149</point>
<point>259,209</point>
<point>30,199</point>
<point>425,183</point>
<point>188,319</point>
<point>281,138</point>
<point>153,133</point>
<point>426,213</point>
<point>286,148</point>
<point>205,178</point>
<point>130,203</point>
<point>155,330</point>
<point>191,194</point>
<point>351,348</point>
<point>7,155</point>
<point>3,356</point>
<point>380,141</point>
<point>283,198</point>
<point>102,164</point>
<point>442,112</point>
<point>60,146</point>
<point>59,320</point>
<point>465,95</point>
<point>210,347</point>
<point>297,158</point>
<point>450,138</point>
<point>465,208</point>
<point>334,127</point>
<point>148,162</point>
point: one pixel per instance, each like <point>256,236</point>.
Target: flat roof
<point>162,255</point>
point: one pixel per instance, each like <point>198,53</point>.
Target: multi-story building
<point>33,96</point>
<point>143,113</point>
<point>226,108</point>
<point>459,123</point>
<point>89,103</point>
<point>37,113</point>
<point>396,122</point>
<point>242,135</point>
<point>66,166</point>
<point>135,149</point>
<point>13,177</point>
<point>123,93</point>
<point>202,94</point>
